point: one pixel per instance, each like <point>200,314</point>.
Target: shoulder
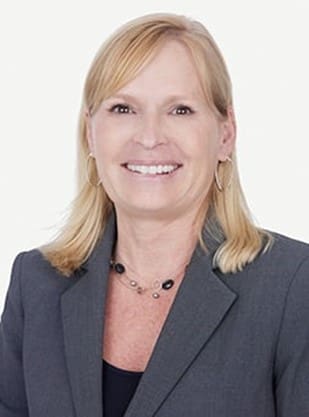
<point>272,273</point>
<point>283,265</point>
<point>291,258</point>
<point>32,262</point>
<point>285,244</point>
<point>285,255</point>
<point>35,275</point>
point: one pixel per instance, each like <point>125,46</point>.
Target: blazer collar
<point>200,305</point>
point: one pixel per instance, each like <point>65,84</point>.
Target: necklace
<point>157,285</point>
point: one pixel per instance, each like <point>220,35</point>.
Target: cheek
<point>113,131</point>
<point>103,135</point>
<point>205,144</point>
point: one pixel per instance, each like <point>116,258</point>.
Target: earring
<point>87,171</point>
<point>217,180</point>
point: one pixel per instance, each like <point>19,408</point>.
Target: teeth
<point>152,169</point>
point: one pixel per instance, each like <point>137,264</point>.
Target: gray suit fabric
<point>233,345</point>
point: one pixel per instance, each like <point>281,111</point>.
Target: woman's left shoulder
<point>288,247</point>
<point>285,256</point>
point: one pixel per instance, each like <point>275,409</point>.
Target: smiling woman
<point>160,297</point>
<point>167,127</point>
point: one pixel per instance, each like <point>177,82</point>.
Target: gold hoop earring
<point>217,179</point>
<point>87,171</point>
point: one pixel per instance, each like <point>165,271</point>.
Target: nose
<point>150,132</point>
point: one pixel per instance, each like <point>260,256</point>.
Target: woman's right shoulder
<point>32,261</point>
<point>33,270</point>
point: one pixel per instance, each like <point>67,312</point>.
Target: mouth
<point>153,169</point>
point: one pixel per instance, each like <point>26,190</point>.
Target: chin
<point>149,209</point>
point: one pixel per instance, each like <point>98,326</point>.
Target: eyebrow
<point>170,98</point>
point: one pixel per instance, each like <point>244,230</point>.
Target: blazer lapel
<point>82,307</point>
<point>199,307</point>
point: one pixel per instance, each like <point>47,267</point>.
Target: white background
<point>46,49</point>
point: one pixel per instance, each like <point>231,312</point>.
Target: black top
<point>119,386</point>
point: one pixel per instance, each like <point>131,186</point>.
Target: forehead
<point>171,71</point>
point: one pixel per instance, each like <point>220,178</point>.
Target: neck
<point>152,248</point>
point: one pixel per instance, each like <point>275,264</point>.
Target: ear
<point>228,136</point>
<point>89,131</point>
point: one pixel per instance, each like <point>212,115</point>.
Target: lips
<point>153,168</point>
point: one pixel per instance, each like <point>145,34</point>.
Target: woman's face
<point>156,141</point>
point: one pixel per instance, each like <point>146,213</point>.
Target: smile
<point>152,169</point>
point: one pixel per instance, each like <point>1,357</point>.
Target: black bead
<point>119,268</point>
<point>167,284</point>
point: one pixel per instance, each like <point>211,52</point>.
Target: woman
<point>159,297</point>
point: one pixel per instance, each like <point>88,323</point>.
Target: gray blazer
<point>234,345</point>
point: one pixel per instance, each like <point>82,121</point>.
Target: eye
<point>121,108</point>
<point>182,110</point>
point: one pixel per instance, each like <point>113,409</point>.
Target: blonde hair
<point>226,217</point>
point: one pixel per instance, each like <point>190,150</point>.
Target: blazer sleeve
<point>292,358</point>
<point>13,401</point>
